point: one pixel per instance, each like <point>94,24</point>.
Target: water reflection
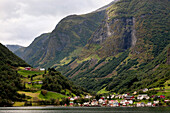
<point>83,110</point>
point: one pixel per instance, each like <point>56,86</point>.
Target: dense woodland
<point>147,75</point>
<point>54,81</point>
<point>10,81</point>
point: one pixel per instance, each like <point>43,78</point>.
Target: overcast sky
<point>21,21</point>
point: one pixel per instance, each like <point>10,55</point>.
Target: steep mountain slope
<point>71,33</point>
<point>150,75</point>
<point>133,24</point>
<point>36,50</point>
<point>9,79</point>
<point>13,48</point>
<point>116,48</point>
<point>133,35</point>
<point>7,57</point>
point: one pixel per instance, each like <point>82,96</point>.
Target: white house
<point>94,102</point>
<point>101,101</point>
<point>156,102</point>
<point>145,90</point>
<point>142,96</point>
<point>88,97</point>
<point>149,104</point>
<point>71,99</point>
<point>112,96</point>
<point>113,103</point>
<point>42,69</point>
<point>40,82</point>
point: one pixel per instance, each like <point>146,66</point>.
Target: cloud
<point>23,20</point>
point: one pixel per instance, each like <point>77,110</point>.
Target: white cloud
<point>23,20</point>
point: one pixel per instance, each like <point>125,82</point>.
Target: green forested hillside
<point>56,82</point>
<point>149,75</point>
<point>120,49</point>
<point>10,81</point>
<point>7,57</point>
<point>128,51</point>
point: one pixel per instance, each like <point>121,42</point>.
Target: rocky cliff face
<point>168,57</point>
<point>116,35</point>
<point>125,45</point>
<point>127,26</point>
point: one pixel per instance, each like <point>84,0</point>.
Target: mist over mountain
<point>14,48</point>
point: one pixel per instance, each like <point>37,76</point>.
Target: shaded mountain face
<point>126,50</point>
<point>71,33</point>
<point>10,81</point>
<point>13,48</point>
<point>35,51</point>
<point>8,58</point>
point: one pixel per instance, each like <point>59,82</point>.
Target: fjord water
<point>84,110</point>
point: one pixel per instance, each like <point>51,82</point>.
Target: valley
<point>120,49</point>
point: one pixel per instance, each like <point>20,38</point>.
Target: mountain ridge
<point>128,38</point>
<point>70,33</point>
<point>13,48</point>
<point>128,35</point>
<point>10,81</point>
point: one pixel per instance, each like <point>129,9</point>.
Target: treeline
<point>54,81</point>
<point>57,102</point>
<point>7,57</point>
<point>10,81</point>
<point>147,75</point>
<point>95,80</point>
<point>9,85</point>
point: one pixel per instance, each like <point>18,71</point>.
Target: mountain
<point>70,34</point>
<point>9,79</point>
<point>8,58</point>
<point>35,50</point>
<point>128,51</point>
<point>107,6</point>
<point>13,48</point>
<point>121,47</point>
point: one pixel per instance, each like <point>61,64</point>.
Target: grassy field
<point>25,73</point>
<point>30,94</point>
<point>164,90</point>
<point>18,104</point>
<point>102,91</point>
<point>38,95</point>
<point>52,95</point>
<point>35,86</point>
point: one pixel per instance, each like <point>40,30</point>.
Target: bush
<point>44,92</point>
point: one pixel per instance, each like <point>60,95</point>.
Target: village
<point>118,100</point>
<point>142,98</point>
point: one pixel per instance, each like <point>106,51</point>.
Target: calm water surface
<point>84,110</point>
